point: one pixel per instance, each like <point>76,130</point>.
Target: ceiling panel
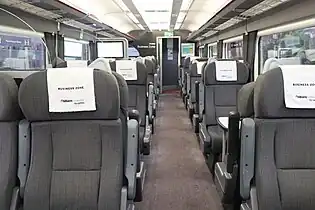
<point>110,12</point>
<point>156,13</point>
<point>201,11</point>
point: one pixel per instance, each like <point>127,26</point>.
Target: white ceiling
<point>151,14</point>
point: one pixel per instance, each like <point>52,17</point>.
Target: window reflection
<point>291,47</point>
<point>20,52</point>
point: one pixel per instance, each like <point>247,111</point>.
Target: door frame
<point>159,54</point>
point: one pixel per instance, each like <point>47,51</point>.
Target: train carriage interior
<point>157,105</point>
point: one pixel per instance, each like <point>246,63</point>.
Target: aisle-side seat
<point>194,75</point>
<point>138,101</point>
<point>200,97</point>
<point>185,69</point>
<point>76,148</point>
<point>220,99</point>
<point>134,166</point>
<point>9,117</point>
<point>277,153</point>
<point>151,91</point>
<point>226,170</point>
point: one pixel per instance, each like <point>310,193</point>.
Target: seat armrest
<point>247,156</point>
<point>132,157</point>
<point>15,200</point>
<point>233,141</point>
<point>150,100</point>
<point>24,153</point>
<point>197,83</point>
<point>134,115</point>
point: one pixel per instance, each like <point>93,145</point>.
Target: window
<point>213,51</point>
<point>291,47</point>
<point>76,50</point>
<point>22,52</point>
<point>234,50</point>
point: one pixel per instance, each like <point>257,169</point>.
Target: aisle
<point>177,176</point>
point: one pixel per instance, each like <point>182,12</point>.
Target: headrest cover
<point>245,100</point>
<point>210,74</point>
<point>9,107</point>
<point>210,60</point>
<point>123,90</point>
<point>299,86</point>
<point>271,63</point>
<point>197,67</point>
<point>226,70</point>
<point>127,68</point>
<point>71,90</point>
<point>269,101</point>
<point>101,64</point>
<point>34,100</point>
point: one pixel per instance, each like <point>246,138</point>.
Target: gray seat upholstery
<point>76,158</point>
<point>284,154</point>
<point>245,100</point>
<point>194,77</point>
<point>220,99</point>
<point>138,98</point>
<point>227,170</point>
<point>9,116</point>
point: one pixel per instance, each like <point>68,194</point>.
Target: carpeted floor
<point>177,176</point>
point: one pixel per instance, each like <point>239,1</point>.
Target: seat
<point>138,101</point>
<point>185,69</point>
<point>9,116</point>
<point>227,170</point>
<point>76,142</point>
<point>277,158</point>
<point>151,91</point>
<point>200,99</point>
<point>134,166</point>
<point>194,76</point>
<point>220,99</point>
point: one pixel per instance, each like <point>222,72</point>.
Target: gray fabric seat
<point>227,170</point>
<point>138,98</point>
<point>76,160</point>
<point>9,116</point>
<point>284,151</point>
<point>220,99</point>
<point>194,77</point>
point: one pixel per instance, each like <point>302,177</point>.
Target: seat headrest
<point>9,106</point>
<point>245,100</point>
<point>197,66</point>
<point>42,97</point>
<point>123,90</point>
<point>101,64</point>
<point>278,91</point>
<point>225,72</point>
<point>59,63</point>
<point>210,60</point>
<point>150,65</point>
<point>141,72</point>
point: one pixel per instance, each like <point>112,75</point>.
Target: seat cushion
<point>216,137</point>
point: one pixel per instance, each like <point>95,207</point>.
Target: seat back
<point>221,93</point>
<point>76,159</point>
<point>137,89</point>
<point>195,72</point>
<point>245,100</point>
<point>9,116</point>
<point>284,122</point>
<point>124,98</point>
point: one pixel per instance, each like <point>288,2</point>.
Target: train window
<point>234,50</point>
<point>22,52</point>
<point>213,51</point>
<point>76,50</point>
<point>291,47</point>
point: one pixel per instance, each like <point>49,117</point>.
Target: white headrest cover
<point>127,69</point>
<point>71,89</point>
<point>299,86</point>
<point>101,64</point>
<point>226,70</point>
